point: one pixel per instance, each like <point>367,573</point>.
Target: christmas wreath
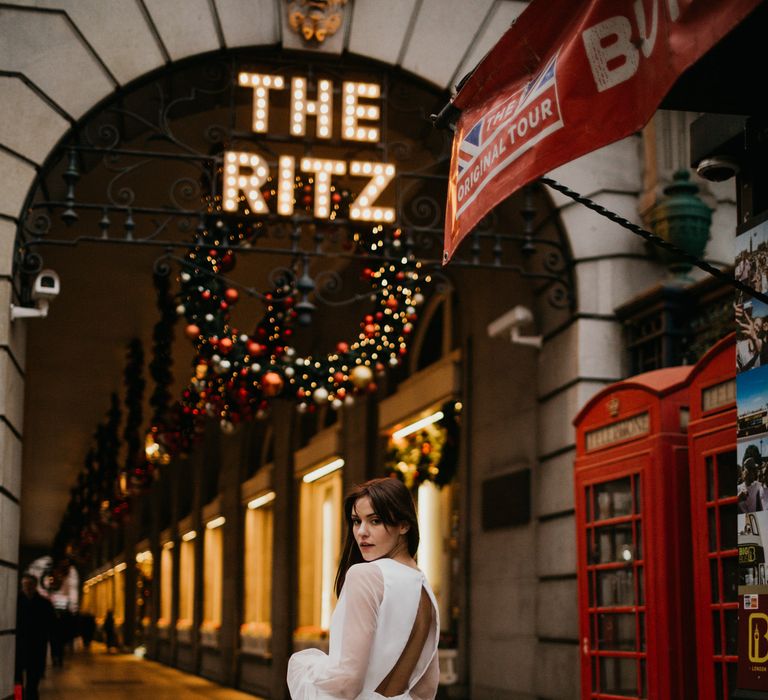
<point>236,374</point>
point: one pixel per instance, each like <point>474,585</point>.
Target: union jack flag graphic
<point>471,145</point>
<point>486,128</point>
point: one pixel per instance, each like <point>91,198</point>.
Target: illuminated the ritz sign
<point>247,172</point>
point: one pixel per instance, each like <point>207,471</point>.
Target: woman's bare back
<point>396,681</point>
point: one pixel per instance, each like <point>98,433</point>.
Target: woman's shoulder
<point>364,573</point>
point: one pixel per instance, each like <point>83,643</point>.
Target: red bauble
<point>225,344</point>
<point>231,295</point>
<point>335,197</point>
<point>372,388</point>
<point>367,273</point>
<point>254,348</point>
<point>379,315</point>
<point>392,303</point>
<point>192,331</point>
<point>206,294</point>
<point>227,262</point>
<point>369,329</point>
<point>213,252</point>
<point>339,377</point>
<point>271,384</point>
<point>342,347</point>
<point>223,305</point>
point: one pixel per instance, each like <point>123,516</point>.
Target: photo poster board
<point>751,267</point>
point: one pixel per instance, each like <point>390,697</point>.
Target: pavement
<point>96,675</point>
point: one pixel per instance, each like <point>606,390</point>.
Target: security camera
<point>717,168</point>
<point>508,325</point>
<point>46,287</point>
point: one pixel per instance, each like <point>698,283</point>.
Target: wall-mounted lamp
<point>216,522</point>
<point>508,325</point>
<point>262,500</point>
<point>189,536</point>
<point>417,425</point>
<point>320,472</point>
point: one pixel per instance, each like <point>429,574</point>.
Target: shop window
<point>320,517</point>
<point>144,575</point>
<point>186,586</point>
<point>424,454</point>
<point>434,510</point>
<point>166,587</point>
<point>256,631</point>
<point>119,603</point>
<point>213,544</point>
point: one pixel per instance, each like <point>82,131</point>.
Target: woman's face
<point>373,537</point>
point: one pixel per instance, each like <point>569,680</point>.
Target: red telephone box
<point>633,532</point>
<point>713,467</point>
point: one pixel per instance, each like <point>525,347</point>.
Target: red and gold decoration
<point>428,454</point>
<point>236,373</point>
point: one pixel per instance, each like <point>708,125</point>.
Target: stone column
<point>284,574</point>
<point>232,554</point>
<point>11,413</point>
<point>359,437</point>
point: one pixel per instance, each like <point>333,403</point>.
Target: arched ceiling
<point>66,56</point>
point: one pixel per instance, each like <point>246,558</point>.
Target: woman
<point>385,628</point>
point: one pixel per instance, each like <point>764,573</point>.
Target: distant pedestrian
<point>110,634</point>
<point>34,623</point>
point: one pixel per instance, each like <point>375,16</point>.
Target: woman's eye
<point>375,521</point>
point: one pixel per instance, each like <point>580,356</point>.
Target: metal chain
<point>653,238</point>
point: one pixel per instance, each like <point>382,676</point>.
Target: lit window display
<point>118,608</point>
<point>320,515</point>
<point>213,543</point>
<point>423,452</point>
<point>256,631</point>
<point>166,587</point>
<point>144,574</point>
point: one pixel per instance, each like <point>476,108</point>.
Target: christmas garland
<point>236,374</point>
<point>430,454</point>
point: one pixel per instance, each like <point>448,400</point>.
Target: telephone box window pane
<point>730,670</point>
<point>640,587</point>
<point>709,462</point>
<point>638,541</point>
<point>712,529</point>
<point>730,578</point>
<point>618,677</point>
<point>714,580</point>
<point>638,503</point>
<point>643,680</point>
<point>613,499</point>
<point>716,635</point>
<point>615,588</point>
<point>731,631</point>
<point>615,544</point>
<point>617,632</point>
<point>728,527</point>
<point>719,682</point>
<point>591,589</point>
<point>641,624</point>
<point>726,474</point>
<point>588,500</point>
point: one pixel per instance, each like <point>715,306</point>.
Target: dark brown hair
<point>392,502</point>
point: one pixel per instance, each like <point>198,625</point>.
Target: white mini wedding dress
<point>370,628</point>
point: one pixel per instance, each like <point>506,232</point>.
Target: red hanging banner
<point>567,78</point>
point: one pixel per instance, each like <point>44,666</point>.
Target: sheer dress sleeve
<point>313,675</point>
<point>426,688</point>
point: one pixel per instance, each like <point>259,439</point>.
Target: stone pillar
<point>359,436</point>
<point>11,413</point>
<point>284,574</point>
<point>232,555</point>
